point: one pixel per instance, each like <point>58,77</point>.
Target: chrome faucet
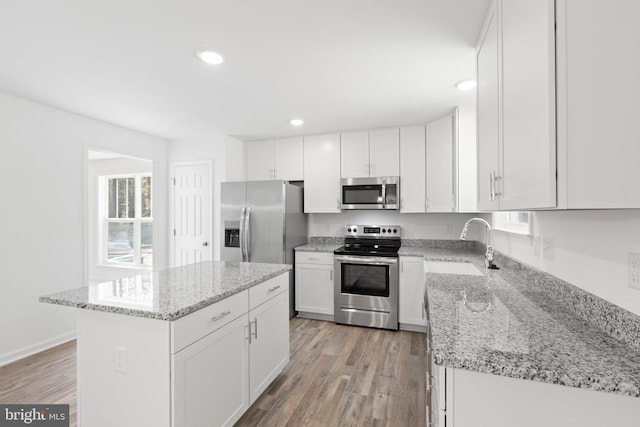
<point>488,256</point>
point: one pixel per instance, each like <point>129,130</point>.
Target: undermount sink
<point>454,267</point>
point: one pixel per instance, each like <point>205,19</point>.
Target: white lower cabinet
<point>269,349</point>
<point>411,293</point>
<point>314,285</point>
<point>221,357</point>
<point>462,398</point>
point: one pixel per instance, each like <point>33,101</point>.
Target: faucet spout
<point>488,256</point>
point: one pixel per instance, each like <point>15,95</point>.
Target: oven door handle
<point>366,260</point>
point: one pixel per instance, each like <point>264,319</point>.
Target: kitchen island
<point>187,346</point>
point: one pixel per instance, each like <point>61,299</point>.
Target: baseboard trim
<point>315,316</point>
<point>13,356</point>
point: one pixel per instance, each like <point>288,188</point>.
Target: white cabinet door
<point>384,152</point>
<point>314,288</point>
<point>411,291</point>
<point>440,166</point>
<point>354,155</point>
<point>259,155</point>
<point>528,110</point>
<point>288,159</point>
<point>488,95</point>
<point>322,174</point>
<point>269,349</point>
<point>211,377</point>
<point>412,169</point>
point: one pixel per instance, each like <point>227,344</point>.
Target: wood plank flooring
<point>48,377</point>
<point>338,376</point>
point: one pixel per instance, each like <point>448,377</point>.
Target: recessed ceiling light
<point>297,122</point>
<point>466,84</point>
<point>210,57</point>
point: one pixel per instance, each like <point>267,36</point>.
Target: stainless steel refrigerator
<point>262,221</point>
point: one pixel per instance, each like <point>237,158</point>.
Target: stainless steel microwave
<point>371,193</point>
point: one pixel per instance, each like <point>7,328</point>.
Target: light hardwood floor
<point>338,376</point>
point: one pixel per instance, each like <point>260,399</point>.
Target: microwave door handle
<point>384,195</point>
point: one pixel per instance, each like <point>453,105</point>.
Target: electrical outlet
<point>120,359</point>
<point>548,249</point>
<point>449,229</point>
<point>536,246</point>
<point>634,270</point>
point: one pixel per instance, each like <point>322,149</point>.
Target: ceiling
<point>337,64</point>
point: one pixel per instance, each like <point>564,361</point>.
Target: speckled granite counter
<point>321,244</point>
<point>172,293</point>
<point>522,323</point>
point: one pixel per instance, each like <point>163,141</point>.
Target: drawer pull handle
<point>273,289</point>
<point>221,315</point>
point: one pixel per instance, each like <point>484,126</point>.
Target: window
<point>513,222</point>
<point>128,222</point>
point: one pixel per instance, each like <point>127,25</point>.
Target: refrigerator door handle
<point>242,234</point>
<point>247,233</point>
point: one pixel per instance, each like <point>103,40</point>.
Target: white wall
<point>97,168</point>
<point>43,167</point>
<point>466,152</point>
<point>590,250</point>
<point>444,226</point>
<point>226,155</point>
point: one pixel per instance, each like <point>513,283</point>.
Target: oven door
<point>366,291</point>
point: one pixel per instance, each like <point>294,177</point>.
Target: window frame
<point>503,221</point>
<point>137,221</point>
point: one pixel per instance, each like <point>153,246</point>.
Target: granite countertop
<point>321,244</point>
<point>172,293</point>
<point>508,323</point>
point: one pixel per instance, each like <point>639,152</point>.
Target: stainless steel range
<point>366,276</point>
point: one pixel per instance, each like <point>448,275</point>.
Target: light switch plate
<point>633,270</point>
<point>548,249</point>
<point>120,359</point>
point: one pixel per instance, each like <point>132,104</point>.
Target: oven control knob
<point>395,230</point>
<point>384,231</point>
<point>388,230</point>
<point>355,229</point>
<point>349,230</point>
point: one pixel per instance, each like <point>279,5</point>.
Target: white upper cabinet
<point>259,155</point>
<point>440,165</point>
<point>412,169</point>
<point>370,154</point>
<point>288,159</point>
<point>516,106</point>
<point>279,159</point>
<point>384,152</point>
<point>322,173</point>
<point>598,133</point>
<point>354,154</point>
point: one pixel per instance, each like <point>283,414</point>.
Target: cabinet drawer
<point>196,325</point>
<point>314,258</point>
<point>267,290</point>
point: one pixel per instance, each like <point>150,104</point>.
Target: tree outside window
<point>128,221</point>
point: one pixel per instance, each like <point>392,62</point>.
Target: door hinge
<point>173,181</point>
<point>174,231</point>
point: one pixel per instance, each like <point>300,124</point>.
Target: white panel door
<point>412,169</point>
<point>384,152</point>
<point>191,212</point>
<point>440,166</point>
<point>354,155</point>
<point>528,104</point>
<point>288,157</point>
<point>259,160</point>
<point>322,174</point>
